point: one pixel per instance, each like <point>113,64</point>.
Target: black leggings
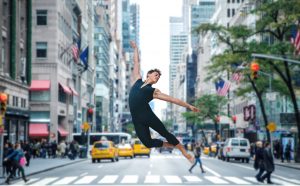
<point>142,125</point>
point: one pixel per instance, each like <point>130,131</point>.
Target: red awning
<point>39,85</point>
<point>74,91</point>
<point>38,130</point>
<point>66,89</point>
<point>62,131</point>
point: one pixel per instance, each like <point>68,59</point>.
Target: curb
<point>284,165</point>
<point>48,169</point>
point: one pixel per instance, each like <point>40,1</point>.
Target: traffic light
<point>254,67</point>
<point>3,102</point>
<point>254,75</point>
<point>234,118</point>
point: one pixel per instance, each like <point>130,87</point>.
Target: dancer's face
<point>153,77</point>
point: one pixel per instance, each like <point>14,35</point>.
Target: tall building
<point>15,67</point>
<point>62,88</point>
<point>102,38</point>
<point>178,41</point>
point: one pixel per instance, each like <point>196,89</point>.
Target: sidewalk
<point>39,165</point>
<point>292,164</point>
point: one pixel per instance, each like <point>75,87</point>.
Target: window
<point>243,143</point>
<point>233,1</point>
<point>228,1</point>
<point>238,1</point>
<point>41,49</point>
<point>235,142</point>
<point>228,12</point>
<point>41,17</point>
<point>233,12</point>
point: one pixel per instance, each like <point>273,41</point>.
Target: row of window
<point>228,12</point>
<point>233,1</point>
<point>16,101</point>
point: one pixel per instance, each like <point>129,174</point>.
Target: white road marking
<point>46,181</point>
<point>86,180</point>
<point>275,180</point>
<point>83,174</point>
<point>211,171</point>
<point>192,178</point>
<point>252,179</point>
<point>152,179</point>
<point>236,180</point>
<point>173,179</point>
<point>109,179</point>
<point>30,181</point>
<point>65,180</point>
<point>215,179</point>
<point>130,179</point>
<point>287,179</point>
<point>100,166</point>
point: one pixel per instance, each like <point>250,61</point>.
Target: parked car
<point>139,149</point>
<point>125,150</point>
<point>237,148</point>
<point>104,150</point>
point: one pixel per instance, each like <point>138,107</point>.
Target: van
<point>237,148</point>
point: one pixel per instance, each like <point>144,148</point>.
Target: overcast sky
<point>154,40</point>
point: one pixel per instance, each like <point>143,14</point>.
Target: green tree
<point>276,21</point>
<point>211,106</point>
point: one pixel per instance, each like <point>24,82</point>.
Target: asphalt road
<point>159,169</point>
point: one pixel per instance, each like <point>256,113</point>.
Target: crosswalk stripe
<point>86,180</point>
<point>236,180</point>
<point>192,178</point>
<point>23,183</point>
<point>130,179</point>
<point>287,179</point>
<point>65,180</point>
<point>252,179</point>
<point>172,179</point>
<point>275,180</point>
<point>211,171</point>
<point>152,179</point>
<point>109,179</point>
<point>46,181</point>
<point>215,179</point>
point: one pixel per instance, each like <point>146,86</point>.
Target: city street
<point>160,169</point>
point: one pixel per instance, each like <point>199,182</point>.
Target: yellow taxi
<point>213,149</point>
<point>125,150</point>
<point>104,149</point>
<point>140,149</point>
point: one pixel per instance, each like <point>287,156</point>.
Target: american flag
<point>237,76</point>
<point>222,87</point>
<point>295,39</point>
<point>75,51</point>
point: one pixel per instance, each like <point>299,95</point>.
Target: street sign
<point>271,96</point>
<point>271,126</point>
<point>86,126</point>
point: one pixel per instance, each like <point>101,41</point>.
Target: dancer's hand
<point>133,44</point>
<point>194,109</point>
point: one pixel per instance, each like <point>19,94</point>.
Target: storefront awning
<point>39,85</point>
<point>38,130</point>
<point>74,91</point>
<point>62,131</point>
<point>66,89</point>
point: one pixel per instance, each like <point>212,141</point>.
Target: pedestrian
<point>287,152</point>
<point>27,150</point>
<point>143,117</point>
<point>197,155</point>
<point>268,163</point>
<point>258,160</point>
<point>15,158</point>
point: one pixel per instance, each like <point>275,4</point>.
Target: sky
<point>154,40</point>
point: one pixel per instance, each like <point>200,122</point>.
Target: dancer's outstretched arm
<point>159,95</point>
<point>136,63</point>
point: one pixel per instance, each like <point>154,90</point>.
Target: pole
<point>1,154</point>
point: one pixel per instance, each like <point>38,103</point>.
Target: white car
<point>237,148</point>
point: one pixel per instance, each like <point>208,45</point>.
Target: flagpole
<point>66,49</point>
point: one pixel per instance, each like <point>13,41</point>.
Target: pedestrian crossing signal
<point>254,75</point>
<point>3,107</point>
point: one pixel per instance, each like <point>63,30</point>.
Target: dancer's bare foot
<point>166,144</point>
<point>189,157</point>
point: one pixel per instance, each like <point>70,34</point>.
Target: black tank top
<point>139,98</point>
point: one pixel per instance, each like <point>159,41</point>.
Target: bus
<point>116,137</point>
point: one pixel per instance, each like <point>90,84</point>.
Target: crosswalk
<point>151,179</point>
